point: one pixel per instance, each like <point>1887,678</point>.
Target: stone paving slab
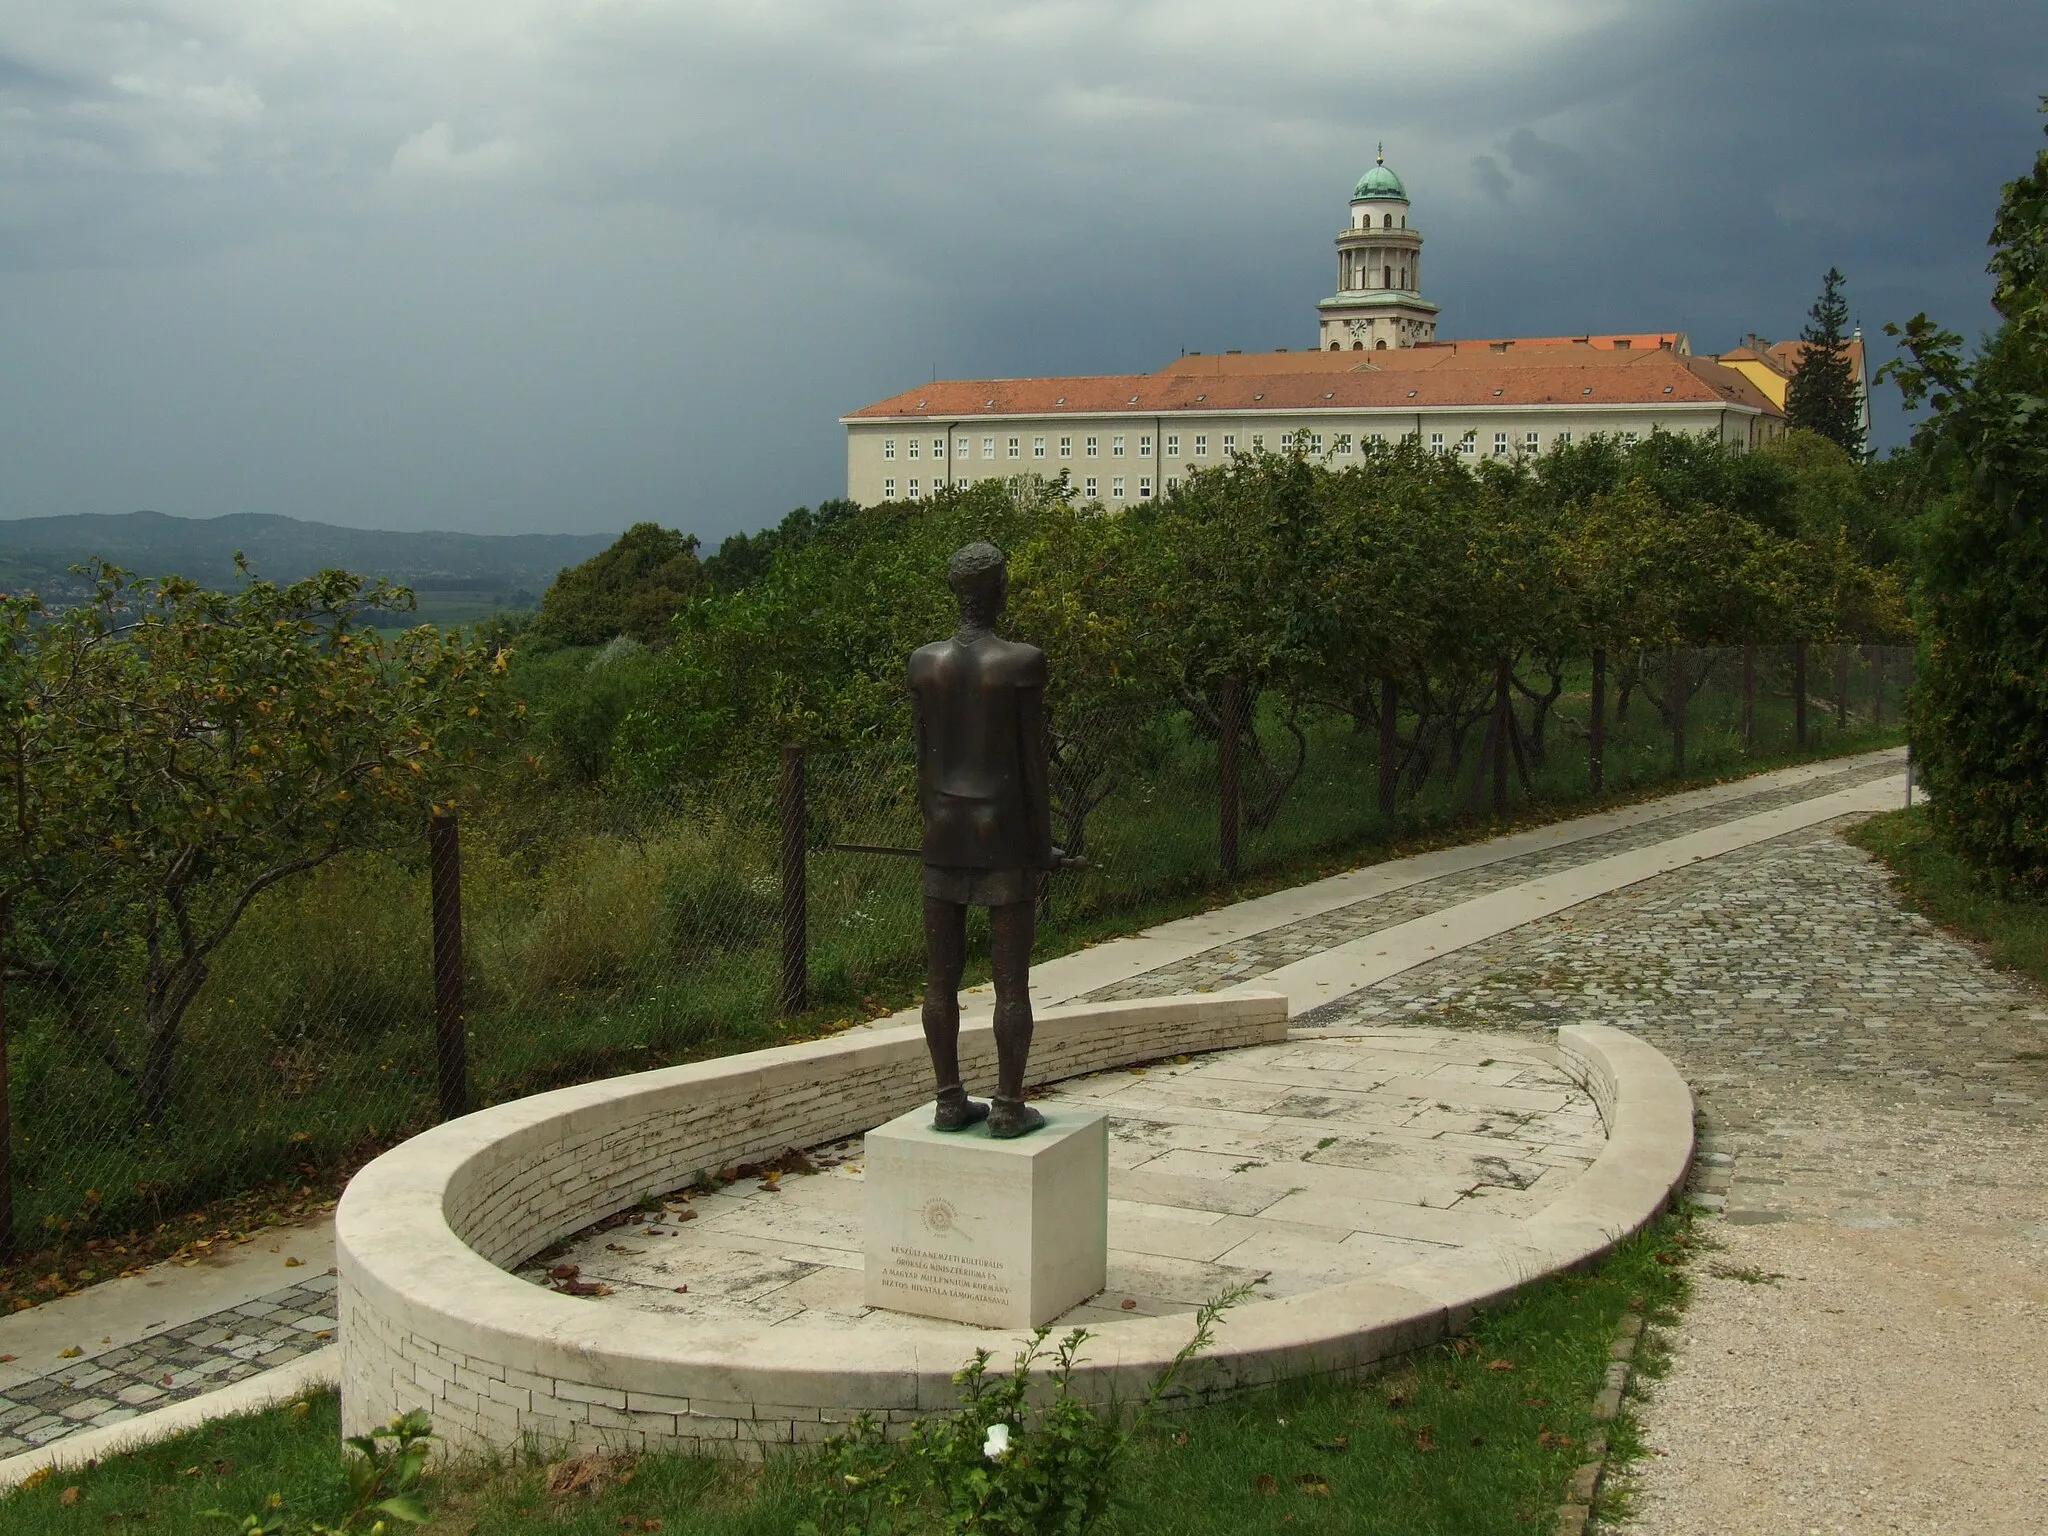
<point>115,1384</point>
<point>1293,1166</point>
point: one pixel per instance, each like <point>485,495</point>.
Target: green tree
<point>1980,704</point>
<point>170,753</point>
<point>633,588</point>
<point>1822,396</point>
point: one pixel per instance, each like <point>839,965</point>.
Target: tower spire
<point>1383,152</point>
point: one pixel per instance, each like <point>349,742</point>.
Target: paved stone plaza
<point>1287,1167</point>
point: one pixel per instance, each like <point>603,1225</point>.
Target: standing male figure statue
<point>982,776</point>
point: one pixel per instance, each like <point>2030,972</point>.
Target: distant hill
<point>458,576</point>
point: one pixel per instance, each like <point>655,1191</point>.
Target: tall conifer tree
<point>1823,394</point>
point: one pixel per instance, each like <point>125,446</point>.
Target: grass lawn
<point>1477,1436</point>
<point>1940,884</point>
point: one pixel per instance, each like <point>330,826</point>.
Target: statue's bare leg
<point>1012,929</point>
<point>945,946</point>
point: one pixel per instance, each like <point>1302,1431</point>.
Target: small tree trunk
<point>796,959</point>
<point>153,1088</point>
<point>1231,809</point>
<point>1876,685</point>
<point>1503,704</point>
<point>1596,737</point>
<point>6,1100</point>
<point>1390,747</point>
<point>1799,693</point>
<point>1749,698</point>
<point>1842,687</point>
<point>451,1024</point>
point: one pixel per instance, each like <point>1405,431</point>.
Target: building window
<point>1116,489</point>
<point>913,488</point>
<point>1172,446</point>
<point>1116,448</point>
<point>938,447</point>
<point>988,447</point>
<point>1201,445</point>
<point>1315,442</point>
<point>888,447</point>
<point>1342,443</point>
<point>1066,447</point>
<point>1436,442</point>
<point>1469,443</point>
<point>1630,438</point>
<point>1500,445</point>
<point>1088,488</point>
<point>1532,444</point>
<point>888,490</point>
<point>1229,442</point>
<point>1258,442</point>
<point>1145,446</point>
<point>1016,447</point>
<point>1144,486</point>
<point>1092,449</point>
<point>1563,440</point>
<point>1379,439</point>
<point>912,447</point>
<point>1386,221</point>
<point>963,449</point>
<point>960,484</point>
<point>1038,447</point>
<point>1172,483</point>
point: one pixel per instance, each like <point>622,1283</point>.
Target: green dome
<point>1379,182</point>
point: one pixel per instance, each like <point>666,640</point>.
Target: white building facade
<point>1121,439</point>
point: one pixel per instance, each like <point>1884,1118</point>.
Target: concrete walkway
<point>1360,945</point>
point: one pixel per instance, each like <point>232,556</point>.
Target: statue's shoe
<point>1013,1117</point>
<point>956,1114</point>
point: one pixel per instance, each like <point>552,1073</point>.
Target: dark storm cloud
<point>523,264</point>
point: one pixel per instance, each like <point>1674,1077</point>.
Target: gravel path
<point>1867,1351</point>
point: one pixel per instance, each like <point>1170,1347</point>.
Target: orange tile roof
<point>1410,378</point>
<point>1788,355</point>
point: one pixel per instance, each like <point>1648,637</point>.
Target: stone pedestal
<point>1002,1234</point>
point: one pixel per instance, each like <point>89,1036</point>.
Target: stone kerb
<point>430,1319</point>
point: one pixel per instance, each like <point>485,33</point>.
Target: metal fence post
<point>1749,697</point>
<point>1390,746</point>
<point>6,1101</point>
<point>1596,738</point>
<point>1680,677</point>
<point>451,1045</point>
<point>1502,724</point>
<point>1231,810</point>
<point>1799,693</point>
<point>796,961</point>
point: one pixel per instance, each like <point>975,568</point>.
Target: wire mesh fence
<point>549,940</point>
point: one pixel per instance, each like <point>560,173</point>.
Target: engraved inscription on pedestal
<point>1004,1234</point>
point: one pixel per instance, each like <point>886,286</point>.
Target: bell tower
<point>1378,304</point>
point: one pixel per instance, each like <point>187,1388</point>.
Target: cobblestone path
<point>178,1363</point>
<point>1232,964</point>
<point>1867,1349</point>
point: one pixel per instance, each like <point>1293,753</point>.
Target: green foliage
<point>633,588</point>
<point>1980,713</point>
<point>171,754</point>
<point>1822,396</point>
<point>997,1466</point>
<point>743,558</point>
<point>383,1486</point>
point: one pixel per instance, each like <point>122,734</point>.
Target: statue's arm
<point>1036,742</point>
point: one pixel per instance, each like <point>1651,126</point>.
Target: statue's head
<point>980,577</point>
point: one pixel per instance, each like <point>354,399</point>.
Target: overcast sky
<point>560,265</point>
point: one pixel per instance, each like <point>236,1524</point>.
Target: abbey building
<point>1122,438</point>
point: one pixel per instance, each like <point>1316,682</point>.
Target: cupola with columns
<point>1378,304</point>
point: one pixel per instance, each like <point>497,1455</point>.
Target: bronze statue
<point>982,774</point>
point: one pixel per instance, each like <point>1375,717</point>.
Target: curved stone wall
<point>430,1317</point>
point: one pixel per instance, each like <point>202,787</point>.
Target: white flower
<point>997,1445</point>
